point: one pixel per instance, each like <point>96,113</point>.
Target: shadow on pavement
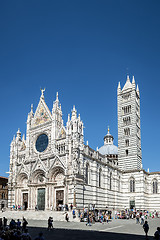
<point>61,234</point>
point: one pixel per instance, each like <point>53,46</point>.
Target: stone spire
<point>31,112</point>
<point>133,83</point>
<point>23,138</point>
<point>18,137</point>
<point>68,117</point>
<point>57,100</point>
<point>119,88</point>
<point>56,104</point>
<point>137,90</point>
<point>74,113</point>
<point>133,80</point>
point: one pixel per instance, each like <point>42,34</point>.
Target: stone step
<point>39,215</point>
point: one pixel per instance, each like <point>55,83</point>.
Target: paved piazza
<point>116,229</point>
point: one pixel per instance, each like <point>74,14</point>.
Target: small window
<point>110,181</point>
<point>87,174</point>
<point>127,152</point>
<point>127,142</point>
<point>155,187</point>
<point>119,184</point>
<point>100,177</point>
<point>132,185</point>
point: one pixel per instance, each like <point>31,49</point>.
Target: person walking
<point>107,219</point>
<point>50,223</point>
<point>67,217</point>
<point>142,219</point>
<point>24,225</point>
<point>88,220</point>
<point>146,228</point>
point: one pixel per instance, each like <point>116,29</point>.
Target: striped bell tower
<point>129,131</point>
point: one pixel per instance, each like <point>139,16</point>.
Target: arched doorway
<point>57,177</point>
<point>39,179</point>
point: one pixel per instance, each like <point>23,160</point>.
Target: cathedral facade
<point>52,166</point>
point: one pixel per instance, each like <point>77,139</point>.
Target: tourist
<point>74,213</point>
<point>67,217</point>
<point>18,224</point>
<point>24,224</point>
<point>4,221</point>
<point>137,218</point>
<point>26,235</point>
<point>50,223</point>
<point>66,207</point>
<point>12,224</point>
<point>17,235</point>
<point>36,208</point>
<point>71,206</point>
<point>142,219</point>
<point>40,236</point>
<point>88,220</point>
<point>146,228</point>
<point>107,219</point>
<point>157,234</point>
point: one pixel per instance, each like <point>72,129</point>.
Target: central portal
<point>41,199</point>
<point>59,199</point>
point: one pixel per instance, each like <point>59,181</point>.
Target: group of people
<point>93,216</point>
<point>16,230</point>
<point>17,207</point>
<point>63,207</point>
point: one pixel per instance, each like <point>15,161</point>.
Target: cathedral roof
<point>108,148</point>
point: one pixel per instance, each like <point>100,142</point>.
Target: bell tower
<point>129,131</point>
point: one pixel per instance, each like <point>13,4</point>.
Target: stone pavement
<point>121,229</point>
<point>116,229</point>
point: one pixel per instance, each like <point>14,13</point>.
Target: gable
<point>62,133</point>
<point>42,114</point>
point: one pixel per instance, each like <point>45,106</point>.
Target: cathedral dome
<point>108,148</point>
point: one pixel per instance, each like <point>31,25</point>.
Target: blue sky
<point>81,49</point>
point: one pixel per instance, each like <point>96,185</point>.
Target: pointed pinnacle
<point>74,108</point>
<point>31,108</point>
<point>57,96</point>
<point>133,80</point>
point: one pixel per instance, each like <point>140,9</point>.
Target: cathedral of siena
<point>53,166</point>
